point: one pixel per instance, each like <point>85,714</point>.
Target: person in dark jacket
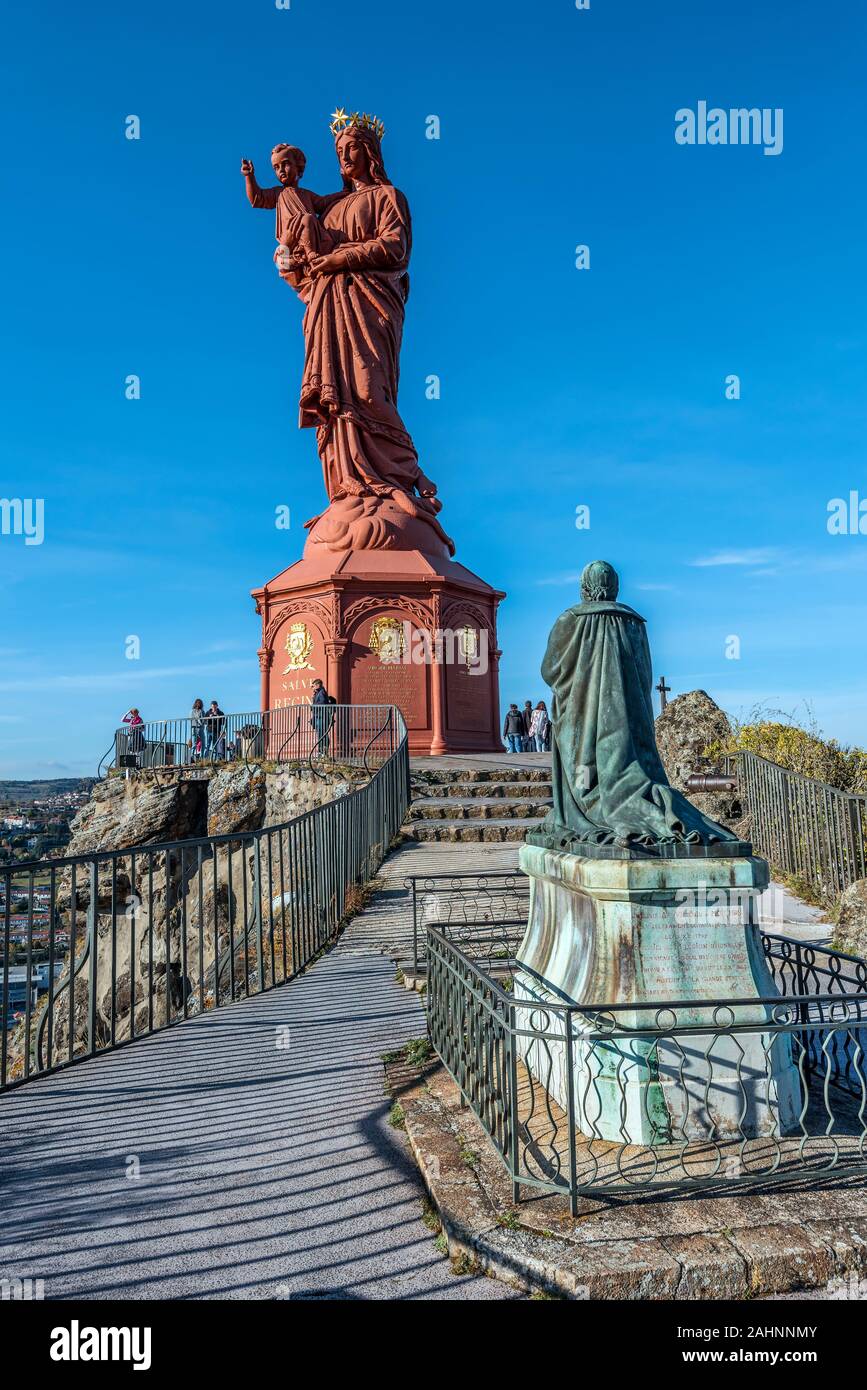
<point>321,717</point>
<point>215,730</point>
<point>513,729</point>
<point>527,713</point>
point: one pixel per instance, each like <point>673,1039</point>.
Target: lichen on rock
<point>686,729</point>
<point>850,935</point>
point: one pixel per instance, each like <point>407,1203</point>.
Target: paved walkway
<point>386,925</point>
<point>782,914</point>
<point>209,1162</point>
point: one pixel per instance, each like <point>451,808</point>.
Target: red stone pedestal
<point>320,616</point>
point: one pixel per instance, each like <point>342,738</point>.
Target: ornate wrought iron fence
<point>799,968</point>
<point>359,735</point>
<point>548,1079</point>
<point>801,971</point>
<point>103,949</point>
<point>805,827</point>
<point>485,913</point>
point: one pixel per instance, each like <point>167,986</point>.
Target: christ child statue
<point>300,234</point>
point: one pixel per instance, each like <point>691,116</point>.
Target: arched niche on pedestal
<point>297,636</point>
<point>469,644</point>
<point>379,656</point>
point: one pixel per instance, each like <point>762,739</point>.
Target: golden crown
<point>342,120</point>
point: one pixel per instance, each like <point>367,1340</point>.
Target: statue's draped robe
<point>352,331</point>
<point>609,785</point>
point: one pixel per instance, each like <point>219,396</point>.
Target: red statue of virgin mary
<point>377,559</point>
<point>349,265</point>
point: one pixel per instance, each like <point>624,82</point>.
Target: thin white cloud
<point>844,555</point>
<point>735,557</point>
<point>121,679</point>
<point>214,648</point>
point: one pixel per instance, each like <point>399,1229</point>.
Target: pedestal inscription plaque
<point>607,932</point>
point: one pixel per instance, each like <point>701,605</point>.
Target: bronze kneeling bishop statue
<point>609,784</point>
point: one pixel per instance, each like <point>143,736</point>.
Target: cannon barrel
<point>710,782</point>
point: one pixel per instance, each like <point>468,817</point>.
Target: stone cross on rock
<point>664,690</point>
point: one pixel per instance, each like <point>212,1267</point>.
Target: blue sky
<point>560,387</point>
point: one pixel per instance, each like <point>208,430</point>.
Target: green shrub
<point>798,747</point>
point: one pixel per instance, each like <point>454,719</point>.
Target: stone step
<point>529,791</point>
<point>469,831</point>
<point>493,808</point>
<point>441,776</point>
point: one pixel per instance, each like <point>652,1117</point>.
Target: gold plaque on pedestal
<point>299,645</point>
<point>387,639</point>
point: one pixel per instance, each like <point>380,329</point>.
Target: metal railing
<point>799,968</point>
<point>486,912</point>
<point>359,735</point>
<point>128,942</point>
<point>548,1079</point>
<point>806,828</point>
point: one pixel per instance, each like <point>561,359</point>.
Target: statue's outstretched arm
<point>259,197</point>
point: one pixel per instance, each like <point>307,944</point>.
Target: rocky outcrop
<point>236,799</point>
<point>145,810</point>
<point>850,935</point>
<point>684,731</point>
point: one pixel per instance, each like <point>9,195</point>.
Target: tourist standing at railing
<point>215,729</point>
<point>197,730</point>
<point>136,726</point>
<point>321,717</point>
